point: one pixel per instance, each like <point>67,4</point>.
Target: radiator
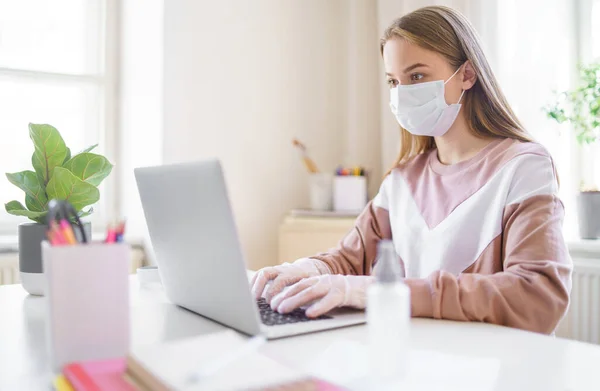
<point>9,266</point>
<point>582,321</point>
<point>9,269</point>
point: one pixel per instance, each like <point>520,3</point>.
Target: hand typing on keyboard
<point>326,291</point>
<point>270,281</point>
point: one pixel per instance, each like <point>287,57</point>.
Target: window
<point>534,48</point>
<point>534,53</point>
<point>55,67</point>
<point>595,23</point>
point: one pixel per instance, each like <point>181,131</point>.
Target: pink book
<point>98,375</point>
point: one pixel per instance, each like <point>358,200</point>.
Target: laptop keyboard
<point>274,318</point>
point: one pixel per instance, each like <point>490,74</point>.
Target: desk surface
<point>528,361</point>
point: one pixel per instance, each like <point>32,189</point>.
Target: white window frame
<point>109,81</point>
<point>585,164</point>
<point>584,31</point>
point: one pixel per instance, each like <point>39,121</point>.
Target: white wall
<point>140,116</point>
<point>363,72</point>
<point>387,11</point>
<point>241,79</point>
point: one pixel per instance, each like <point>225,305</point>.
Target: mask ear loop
<point>461,95</point>
<point>454,74</point>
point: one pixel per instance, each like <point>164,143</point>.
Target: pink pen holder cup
<point>88,301</point>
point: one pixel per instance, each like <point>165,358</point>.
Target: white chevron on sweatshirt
<point>474,219</point>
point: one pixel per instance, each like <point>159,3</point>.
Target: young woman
<point>471,204</point>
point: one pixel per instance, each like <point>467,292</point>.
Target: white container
<point>148,276</point>
<point>349,193</point>
<point>88,301</point>
<point>320,188</point>
<point>388,320</point>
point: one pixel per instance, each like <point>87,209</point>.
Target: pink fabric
<point>455,183</point>
<point>356,252</point>
<point>522,280</point>
<point>521,275</point>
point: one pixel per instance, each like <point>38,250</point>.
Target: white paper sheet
<point>173,362</point>
<point>346,363</point>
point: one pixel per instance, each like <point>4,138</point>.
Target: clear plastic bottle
<point>388,318</point>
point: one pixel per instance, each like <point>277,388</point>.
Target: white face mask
<point>422,109</point>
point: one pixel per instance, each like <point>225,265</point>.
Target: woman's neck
<point>459,144</point>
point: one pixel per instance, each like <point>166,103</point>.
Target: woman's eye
<point>392,83</point>
<point>416,76</point>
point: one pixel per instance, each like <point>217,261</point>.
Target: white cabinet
<point>305,236</point>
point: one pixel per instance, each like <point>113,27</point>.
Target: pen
<point>354,171</point>
<point>57,235</point>
<point>63,220</point>
<point>111,235</point>
<point>120,231</point>
<point>115,233</point>
<point>51,238</point>
<point>67,232</point>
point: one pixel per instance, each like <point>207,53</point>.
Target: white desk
<point>528,361</point>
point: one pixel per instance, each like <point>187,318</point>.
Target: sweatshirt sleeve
<point>532,291</point>
<point>356,252</point>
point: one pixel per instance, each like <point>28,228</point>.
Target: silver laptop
<point>199,257</point>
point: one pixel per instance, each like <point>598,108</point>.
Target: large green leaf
<point>89,167</point>
<point>50,150</point>
<point>68,156</point>
<point>17,209</point>
<point>64,185</point>
<point>88,149</point>
<point>35,197</point>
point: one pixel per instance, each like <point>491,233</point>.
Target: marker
<point>111,236</point>
<point>50,236</point>
<point>59,238</point>
<point>68,232</point>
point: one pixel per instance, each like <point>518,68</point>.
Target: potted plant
<point>56,175</point>
<point>581,108</point>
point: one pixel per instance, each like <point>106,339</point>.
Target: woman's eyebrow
<point>413,66</point>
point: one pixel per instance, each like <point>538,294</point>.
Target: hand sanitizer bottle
<point>388,318</point>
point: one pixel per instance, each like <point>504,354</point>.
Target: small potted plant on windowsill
<point>580,107</point>
<point>56,175</point>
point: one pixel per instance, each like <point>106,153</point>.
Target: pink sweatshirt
<point>480,240</point>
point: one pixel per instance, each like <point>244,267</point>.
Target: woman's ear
<point>469,75</point>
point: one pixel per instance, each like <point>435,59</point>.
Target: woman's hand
<point>278,277</point>
<point>327,292</point>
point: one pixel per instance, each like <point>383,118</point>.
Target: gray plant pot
<point>31,269</point>
<point>588,210</point>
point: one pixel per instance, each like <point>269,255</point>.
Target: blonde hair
<point>447,32</point>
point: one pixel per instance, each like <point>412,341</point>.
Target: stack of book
<point>95,375</point>
<point>176,366</point>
